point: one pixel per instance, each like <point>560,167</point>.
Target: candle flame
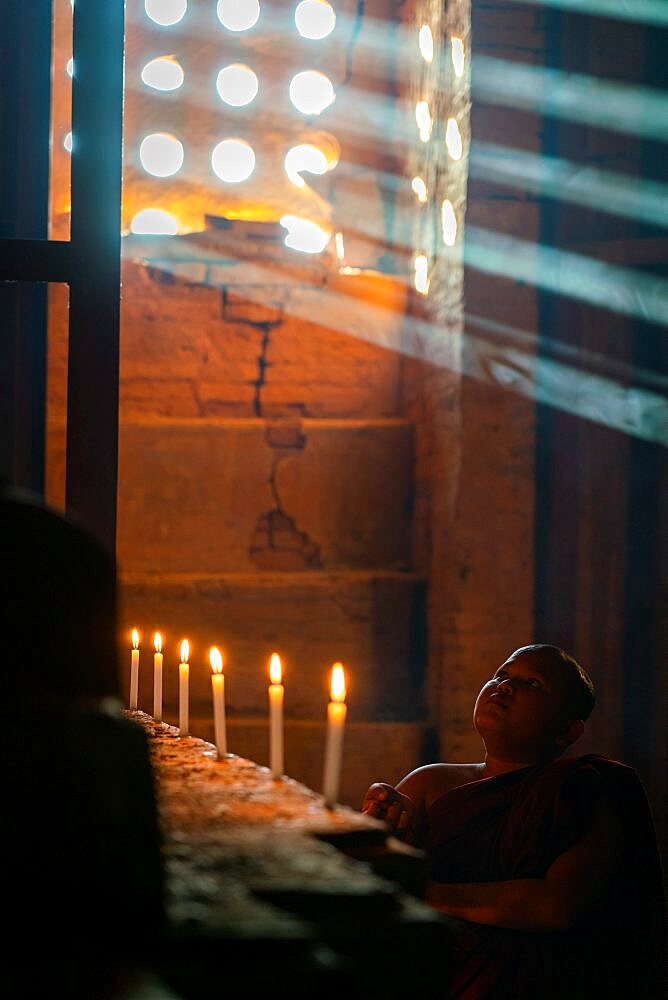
<point>338,686</point>
<point>275,672</point>
<point>185,651</point>
<point>157,642</point>
<point>135,639</point>
<point>216,660</point>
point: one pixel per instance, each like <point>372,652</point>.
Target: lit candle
<point>336,721</point>
<point>157,678</point>
<point>218,688</point>
<point>276,695</point>
<point>184,670</point>
<point>134,670</point>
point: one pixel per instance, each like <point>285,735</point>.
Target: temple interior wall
<point>301,470</point>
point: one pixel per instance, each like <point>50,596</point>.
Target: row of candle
<point>336,709</point>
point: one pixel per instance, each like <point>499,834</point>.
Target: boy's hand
<point>399,812</point>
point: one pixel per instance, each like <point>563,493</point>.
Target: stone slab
<point>257,865</point>
<point>373,623</point>
<point>372,752</point>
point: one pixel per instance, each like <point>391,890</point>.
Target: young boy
<point>549,863</point>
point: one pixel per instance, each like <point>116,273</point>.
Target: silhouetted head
<point>57,607</point>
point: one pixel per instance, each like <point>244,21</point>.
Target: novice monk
<point>550,864</point>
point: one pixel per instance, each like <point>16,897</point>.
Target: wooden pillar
<point>25,84</point>
<point>92,403</point>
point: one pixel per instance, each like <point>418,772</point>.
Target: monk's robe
<point>514,826</point>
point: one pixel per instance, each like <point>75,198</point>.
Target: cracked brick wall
<point>265,499</point>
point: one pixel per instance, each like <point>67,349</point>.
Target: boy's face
<point>521,711</point>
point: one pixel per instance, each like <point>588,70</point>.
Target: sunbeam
<point>639,409</point>
<point>607,286</point>
<point>638,11</point>
<point>572,96</point>
<point>549,177</point>
<point>497,354</point>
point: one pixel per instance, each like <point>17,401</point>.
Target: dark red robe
<point>514,826</point>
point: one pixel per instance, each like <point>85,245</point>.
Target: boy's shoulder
<point>433,780</point>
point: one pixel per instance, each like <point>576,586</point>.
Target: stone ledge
<point>249,865</point>
<point>314,578</point>
<point>373,751</point>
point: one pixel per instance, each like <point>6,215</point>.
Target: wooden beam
<point>92,401</point>
<point>25,85</point>
<point>34,260</point>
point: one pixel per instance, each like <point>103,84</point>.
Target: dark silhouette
<point>82,852</point>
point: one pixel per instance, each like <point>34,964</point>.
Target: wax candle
<point>184,671</point>
<point>336,721</point>
<point>134,670</point>
<point>276,695</point>
<point>218,688</point>
<point>157,678</point>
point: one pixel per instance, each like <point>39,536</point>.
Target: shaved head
<point>579,694</point>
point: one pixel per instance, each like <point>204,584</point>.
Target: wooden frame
<point>90,261</point>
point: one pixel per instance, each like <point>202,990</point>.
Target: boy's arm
<point>401,808</point>
<point>572,884</point>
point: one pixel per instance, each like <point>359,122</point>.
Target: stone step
<point>372,622</point>
<point>373,751</point>
<point>240,495</point>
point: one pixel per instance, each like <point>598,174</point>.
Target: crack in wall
<point>262,365</point>
<point>273,485</point>
<point>277,543</point>
<point>265,325</point>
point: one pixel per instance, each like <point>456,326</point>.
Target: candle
<point>276,693</point>
<point>157,678</point>
<point>336,721</point>
<point>218,688</point>
<point>134,670</point>
<point>184,670</point>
